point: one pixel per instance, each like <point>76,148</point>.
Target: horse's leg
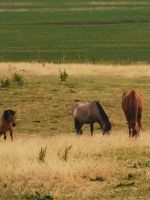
<point>100,125</point>
<point>130,130</point>
<point>11,134</point>
<point>78,126</point>
<point>91,128</point>
<point>5,136</point>
<point>139,117</point>
<point>81,132</point>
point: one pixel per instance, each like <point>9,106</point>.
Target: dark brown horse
<point>90,113</point>
<point>132,105</point>
<point>7,122</point>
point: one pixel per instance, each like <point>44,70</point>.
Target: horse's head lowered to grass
<point>103,119</point>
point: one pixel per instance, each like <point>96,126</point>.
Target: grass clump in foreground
<point>42,154</point>
<point>5,83</point>
<point>18,79</point>
<point>37,196</point>
<point>64,155</point>
<point>63,75</point>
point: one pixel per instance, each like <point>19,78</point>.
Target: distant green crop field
<point>75,31</point>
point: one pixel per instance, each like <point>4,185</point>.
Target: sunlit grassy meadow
<point>43,103</point>
<point>98,167</point>
<point>94,168</point>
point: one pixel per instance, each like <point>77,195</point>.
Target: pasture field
<point>113,31</point>
<point>98,167</point>
<point>95,168</point>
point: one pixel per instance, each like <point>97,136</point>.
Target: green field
<point>75,31</point>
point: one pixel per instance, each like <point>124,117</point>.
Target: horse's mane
<point>102,112</point>
<point>77,100</point>
<point>7,114</point>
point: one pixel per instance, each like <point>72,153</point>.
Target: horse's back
<point>85,111</point>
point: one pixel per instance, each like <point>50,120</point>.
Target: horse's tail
<point>134,106</point>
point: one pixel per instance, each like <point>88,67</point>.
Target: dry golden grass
<point>134,70</point>
<point>114,159</point>
<point>89,157</point>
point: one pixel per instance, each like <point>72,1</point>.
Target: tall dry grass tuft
<point>42,154</point>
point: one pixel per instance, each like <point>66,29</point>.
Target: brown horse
<point>7,122</point>
<point>132,104</point>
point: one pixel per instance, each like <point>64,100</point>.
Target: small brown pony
<point>7,122</point>
<point>132,104</point>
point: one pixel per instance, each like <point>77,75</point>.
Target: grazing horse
<point>7,122</point>
<point>90,113</point>
<point>132,104</point>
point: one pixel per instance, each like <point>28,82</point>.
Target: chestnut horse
<point>132,104</point>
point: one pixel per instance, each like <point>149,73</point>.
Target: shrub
<point>63,76</point>
<point>18,79</point>
<point>5,83</point>
<point>42,154</point>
